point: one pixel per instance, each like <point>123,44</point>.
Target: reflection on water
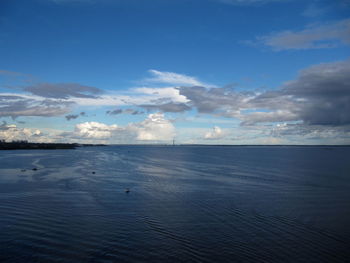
<point>186,204</point>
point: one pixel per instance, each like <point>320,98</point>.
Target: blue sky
<point>208,71</point>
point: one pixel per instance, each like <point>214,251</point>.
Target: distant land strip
<point>23,145</point>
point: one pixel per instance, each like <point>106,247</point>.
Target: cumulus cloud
<point>315,36</point>
<point>10,132</point>
<point>95,130</point>
<point>154,128</point>
<point>214,134</point>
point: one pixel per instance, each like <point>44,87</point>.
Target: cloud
<point>215,133</point>
<point>114,112</point>
<point>314,10</point>
<point>10,132</point>
<point>21,105</point>
<point>62,90</point>
<point>315,36</point>
<point>95,130</point>
<point>320,95</point>
<point>171,93</point>
<point>338,134</point>
<point>173,79</point>
<point>75,116</point>
<point>275,116</point>
<point>124,111</point>
<point>214,100</point>
<point>71,117</point>
<point>167,107</point>
<point>155,128</point>
<point>133,112</point>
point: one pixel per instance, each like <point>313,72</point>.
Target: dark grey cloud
<point>214,99</point>
<point>320,95</point>
<point>114,112</point>
<point>133,112</point>
<point>75,116</point>
<point>124,111</point>
<point>63,90</point>
<point>167,107</point>
<point>71,117</point>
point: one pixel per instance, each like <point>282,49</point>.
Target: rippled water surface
<point>186,204</point>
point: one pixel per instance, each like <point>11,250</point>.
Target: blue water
<point>186,204</point>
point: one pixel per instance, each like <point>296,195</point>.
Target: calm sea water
<point>186,204</point>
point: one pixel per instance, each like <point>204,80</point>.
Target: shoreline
<point>42,146</point>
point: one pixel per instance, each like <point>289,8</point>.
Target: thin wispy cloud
<point>171,78</point>
<point>315,36</point>
<point>314,10</point>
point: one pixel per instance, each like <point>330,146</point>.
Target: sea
<point>156,203</point>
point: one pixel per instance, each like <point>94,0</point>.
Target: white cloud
<point>173,79</point>
<point>95,130</point>
<point>314,36</point>
<point>155,128</point>
<point>10,132</point>
<point>167,92</point>
<point>215,133</point>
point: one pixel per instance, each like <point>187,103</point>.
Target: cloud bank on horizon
<point>307,105</point>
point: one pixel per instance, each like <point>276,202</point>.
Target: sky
<point>193,71</point>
